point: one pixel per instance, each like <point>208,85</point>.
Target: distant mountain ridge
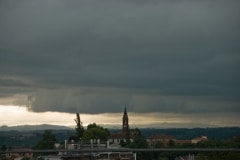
<point>34,127</point>
<point>156,126</point>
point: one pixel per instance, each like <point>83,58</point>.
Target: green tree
<point>79,127</point>
<point>171,143</point>
<point>159,145</point>
<point>236,141</point>
<point>4,148</point>
<point>47,142</point>
<point>95,131</point>
<point>26,158</point>
<point>139,142</point>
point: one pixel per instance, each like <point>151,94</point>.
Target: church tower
<point>125,125</point>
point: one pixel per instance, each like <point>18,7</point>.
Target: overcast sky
<point>173,57</point>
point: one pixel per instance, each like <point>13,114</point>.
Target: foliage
<point>216,144</point>
<point>139,142</point>
<point>95,131</point>
<point>144,156</point>
<point>223,133</point>
<point>3,148</point>
<point>79,127</point>
<point>128,141</point>
<point>47,142</point>
<point>218,156</point>
<point>236,141</point>
<point>171,143</point>
<point>26,158</point>
<point>137,131</point>
<point>159,145</point>
<point>2,157</point>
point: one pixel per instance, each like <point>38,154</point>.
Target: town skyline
<point>170,62</point>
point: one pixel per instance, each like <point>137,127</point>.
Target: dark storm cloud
<point>97,56</point>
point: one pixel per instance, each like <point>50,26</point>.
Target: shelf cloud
<point>98,56</point>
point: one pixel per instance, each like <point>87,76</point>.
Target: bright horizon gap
<point>22,116</point>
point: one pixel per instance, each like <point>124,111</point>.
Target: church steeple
<point>125,125</point>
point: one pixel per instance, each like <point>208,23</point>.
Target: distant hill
<point>221,133</point>
<point>29,138</point>
<point>28,135</point>
<point>33,127</point>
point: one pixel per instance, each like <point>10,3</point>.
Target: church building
<point>125,126</point>
<point>118,137</point>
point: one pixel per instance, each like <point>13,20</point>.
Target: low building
<point>199,139</point>
<point>19,153</point>
<point>164,140</point>
<point>115,140</point>
<point>73,153</point>
<point>159,139</point>
<point>182,142</point>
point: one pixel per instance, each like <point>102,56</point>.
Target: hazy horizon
<point>25,117</point>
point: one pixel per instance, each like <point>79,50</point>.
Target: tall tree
<point>48,140</point>
<point>138,139</point>
<point>79,127</point>
<point>139,142</point>
<point>95,132</point>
